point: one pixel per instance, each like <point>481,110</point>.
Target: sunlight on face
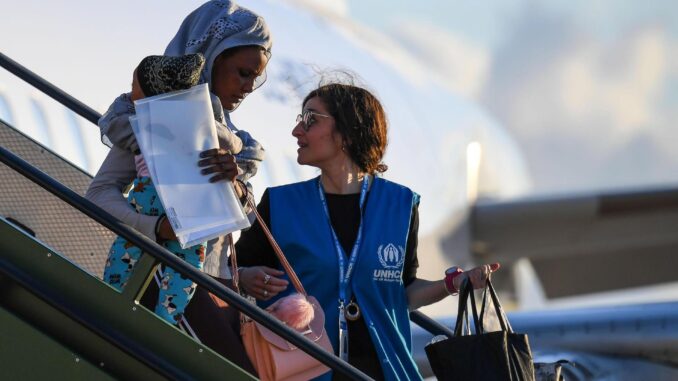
<point>321,144</point>
<point>234,75</point>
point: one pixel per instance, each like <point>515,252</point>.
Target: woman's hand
<point>477,275</point>
<point>220,162</point>
<point>262,282</point>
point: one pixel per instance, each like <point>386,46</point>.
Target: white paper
<point>172,129</point>
<point>187,239</point>
<point>191,239</point>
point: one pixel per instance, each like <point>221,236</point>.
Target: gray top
<point>115,174</point>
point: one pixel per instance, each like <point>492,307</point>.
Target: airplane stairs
<point>58,320</point>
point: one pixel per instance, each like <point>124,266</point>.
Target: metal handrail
<point>430,325</point>
<point>146,355</point>
<point>49,89</point>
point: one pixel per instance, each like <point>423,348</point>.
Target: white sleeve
<point>117,172</point>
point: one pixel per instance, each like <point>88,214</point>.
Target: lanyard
<point>345,277</point>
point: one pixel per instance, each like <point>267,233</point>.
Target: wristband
<point>450,274</point>
<point>157,225</point>
<point>245,191</point>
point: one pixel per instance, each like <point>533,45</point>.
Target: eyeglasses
<point>307,120</point>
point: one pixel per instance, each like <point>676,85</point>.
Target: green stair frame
<point>41,296</point>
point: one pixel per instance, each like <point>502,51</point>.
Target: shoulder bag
<point>272,356</point>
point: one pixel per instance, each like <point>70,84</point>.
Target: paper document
<point>171,130</point>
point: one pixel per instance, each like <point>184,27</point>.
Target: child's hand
<point>220,162</point>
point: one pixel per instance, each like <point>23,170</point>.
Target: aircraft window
<point>74,135</point>
<point>42,127</point>
<point>5,111</point>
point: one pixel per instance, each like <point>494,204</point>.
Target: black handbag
<point>501,355</point>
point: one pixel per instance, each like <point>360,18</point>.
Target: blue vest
<point>300,226</point>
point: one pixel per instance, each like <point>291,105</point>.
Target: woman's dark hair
<point>361,121</point>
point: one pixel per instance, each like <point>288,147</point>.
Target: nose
<point>298,130</point>
<point>248,85</point>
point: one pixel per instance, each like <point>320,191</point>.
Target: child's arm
<point>228,140</point>
<point>114,124</point>
<point>250,152</point>
<point>106,189</point>
<point>251,155</point>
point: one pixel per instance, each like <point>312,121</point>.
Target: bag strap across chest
<point>276,248</point>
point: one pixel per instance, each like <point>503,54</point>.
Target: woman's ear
<point>345,143</point>
<point>338,139</point>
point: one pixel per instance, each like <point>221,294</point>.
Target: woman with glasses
<point>236,45</point>
<point>350,235</point>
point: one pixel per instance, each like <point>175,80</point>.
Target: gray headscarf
<point>217,26</point>
<point>212,28</point>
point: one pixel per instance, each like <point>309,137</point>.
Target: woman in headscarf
<point>236,44</point>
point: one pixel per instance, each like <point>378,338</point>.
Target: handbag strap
<point>276,248</point>
<point>482,309</point>
<point>465,294</point>
<point>501,316</point>
<point>234,263</point>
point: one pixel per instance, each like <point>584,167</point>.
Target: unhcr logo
<point>391,259</point>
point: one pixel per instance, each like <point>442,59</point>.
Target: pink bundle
<point>293,310</point>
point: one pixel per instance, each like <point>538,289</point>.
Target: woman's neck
<point>341,180</point>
